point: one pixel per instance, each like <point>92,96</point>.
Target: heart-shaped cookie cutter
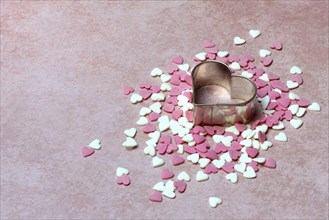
<point>221,98</point>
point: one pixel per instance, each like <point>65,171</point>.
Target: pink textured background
<point>63,65</point>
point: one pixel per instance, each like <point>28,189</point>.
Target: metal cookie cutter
<point>221,98</point>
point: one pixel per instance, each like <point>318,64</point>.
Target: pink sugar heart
<point>127,90</point>
<point>266,61</point>
<point>279,85</point>
<point>155,197</point>
<point>227,134</point>
<point>220,148</point>
<point>145,94</point>
<point>261,137</point>
<point>188,95</point>
<point>252,152</point>
<point>249,58</point>
<point>210,168</point>
<point>258,72</point>
<point>169,108</point>
<point>171,148</point>
<point>243,63</point>
<point>262,92</point>
<point>172,100</point>
<point>255,123</point>
<point>272,106</point>
<point>171,68</point>
<point>198,129</point>
<point>145,86</point>
<point>284,102</point>
<point>261,83</point>
<point>175,80</point>
<point>87,151</point>
<point>184,86</point>
<point>276,45</point>
<point>210,130</point>
<point>288,115</point>
<point>124,179</point>
<point>189,115</point>
<point>199,138</point>
<point>228,167</point>
<point>270,121</point>
<point>234,154</point>
<point>188,79</point>
<point>219,130</point>
<point>273,95</point>
<point>213,51</point>
<point>269,163</point>
<point>302,102</point>
<point>211,154</point>
<point>180,186</point>
<point>174,92</point>
<point>235,145</point>
<point>211,56</point>
<point>178,140</point>
<point>153,116</point>
<point>177,160</point>
<point>222,59</point>
<point>161,148</point>
<point>177,113</point>
<point>201,148</point>
<point>233,58</point>
<point>251,66</point>
<point>167,174</point>
<point>297,78</point>
<point>177,59</point>
<point>190,150</point>
<point>155,89</point>
<point>254,165</point>
<point>272,76</point>
<point>165,139</point>
<point>208,44</point>
<point>148,128</point>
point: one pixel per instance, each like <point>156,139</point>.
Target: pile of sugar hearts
<point>234,150</point>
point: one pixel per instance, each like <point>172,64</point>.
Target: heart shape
<point>254,33</point>
<point>314,106</point>
<point>217,98</point>
<point>201,176</point>
<point>264,53</point>
<point>121,171</point>
<point>149,150</point>
<point>142,121</point>
<point>222,53</point>
<point>95,144</point>
<point>276,45</point>
<point>295,70</point>
<point>214,201</point>
<point>233,177</point>
<point>127,90</point>
<point>241,167</point>
<point>238,40</point>
<point>130,143</point>
<point>201,56</point>
<point>156,72</point>
<point>183,176</point>
<point>157,161</point>
<point>155,197</point>
<point>135,98</point>
<point>249,173</point>
<point>87,151</point>
<point>296,123</point>
<point>177,160</point>
<point>167,174</point>
<point>124,179</point>
<point>177,59</point>
<point>281,137</point>
<point>292,85</point>
<point>180,186</point>
<point>160,186</point>
<point>130,132</point>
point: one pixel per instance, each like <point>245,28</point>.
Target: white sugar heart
<point>232,129</point>
<point>266,145</point>
<point>201,176</point>
<point>151,142</point>
<point>247,74</point>
<point>244,158</point>
<point>194,158</point>
<point>183,176</point>
<point>130,143</point>
<point>227,141</point>
<point>165,78</point>
<point>156,72</point>
<point>201,56</point>
<point>314,107</point>
<point>264,53</point>
<point>295,70</point>
<point>293,108</point>
<point>191,143</point>
<point>226,157</point>
<point>214,202</point>
<point>218,163</point>
<point>159,186</point>
<point>158,97</point>
<point>263,128</point>
<point>255,144</point>
<point>169,193</point>
<point>246,142</point>
<point>135,98</point>
<point>180,149</point>
<point>291,84</point>
<point>259,159</point>
<point>165,87</point>
<point>254,33</point>
<point>142,121</point>
<point>183,131</point>
<point>130,132</point>
<point>252,134</point>
<point>157,161</point>
<point>144,111</point>
<point>249,173</point>
<point>155,135</point>
<point>204,162</point>
<point>188,138</point>
<point>241,167</point>
<point>222,53</point>
<point>264,77</point>
<point>233,177</point>
<point>277,90</point>
<point>121,171</point>
<point>265,101</point>
<point>301,112</point>
<point>156,107</point>
<point>164,123</point>
<point>235,66</point>
<point>239,40</point>
<point>184,67</point>
<point>149,150</point>
<point>174,126</point>
<point>170,185</point>
<point>281,137</point>
<point>95,144</point>
<point>278,126</point>
<point>246,132</point>
<point>293,96</point>
<point>296,123</point>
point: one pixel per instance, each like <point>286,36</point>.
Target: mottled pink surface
<point>63,66</point>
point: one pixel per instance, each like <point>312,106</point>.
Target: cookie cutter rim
<point>230,79</point>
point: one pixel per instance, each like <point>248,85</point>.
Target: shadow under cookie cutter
<point>221,98</point>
